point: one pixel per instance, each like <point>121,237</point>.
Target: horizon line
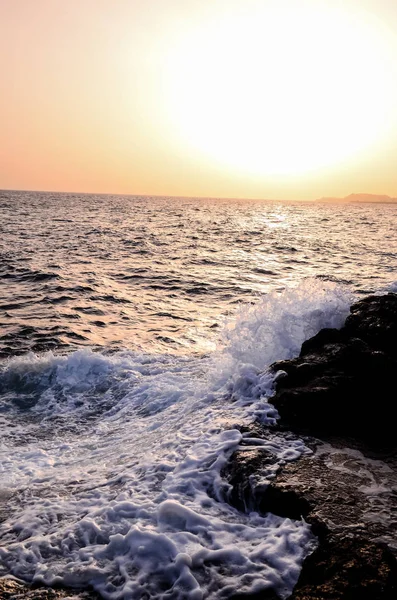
<point>321,199</point>
<point>156,195</point>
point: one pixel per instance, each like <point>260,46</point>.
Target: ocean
<point>135,339</point>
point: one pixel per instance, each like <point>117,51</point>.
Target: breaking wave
<point>112,463</point>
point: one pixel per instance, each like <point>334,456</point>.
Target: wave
<point>272,329</point>
<point>114,470</point>
<point>28,275</point>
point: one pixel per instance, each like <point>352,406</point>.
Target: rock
<point>348,568</point>
<point>350,502</point>
<point>374,320</point>
<point>10,589</point>
<point>343,382</point>
<point>344,492</point>
<point>248,492</point>
<point>264,595</point>
<point>241,472</point>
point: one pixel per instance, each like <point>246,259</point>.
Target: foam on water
<point>113,463</point>
<point>275,327</point>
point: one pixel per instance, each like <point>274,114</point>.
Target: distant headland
<point>373,198</point>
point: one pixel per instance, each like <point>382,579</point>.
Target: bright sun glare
<point>282,88</point>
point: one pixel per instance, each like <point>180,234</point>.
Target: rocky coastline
<point>339,396</point>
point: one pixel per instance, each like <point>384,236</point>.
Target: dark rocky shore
<point>15,590</point>
<point>339,395</point>
<point>342,390</point>
<point>343,382</point>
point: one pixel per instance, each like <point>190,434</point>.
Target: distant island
<point>373,198</point>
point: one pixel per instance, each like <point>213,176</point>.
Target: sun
<point>281,88</point>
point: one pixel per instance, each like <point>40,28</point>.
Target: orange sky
<point>235,98</point>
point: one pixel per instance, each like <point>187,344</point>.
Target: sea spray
<point>114,467</point>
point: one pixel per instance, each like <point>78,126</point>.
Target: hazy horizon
<point>386,197</point>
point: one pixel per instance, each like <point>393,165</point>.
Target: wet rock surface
<point>343,382</point>
<point>348,568</point>
<point>350,502</point>
<point>10,589</point>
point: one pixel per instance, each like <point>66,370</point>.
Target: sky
<point>285,99</point>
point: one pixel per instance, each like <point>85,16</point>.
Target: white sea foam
<point>276,326</point>
<point>391,287</point>
<point>117,480</point>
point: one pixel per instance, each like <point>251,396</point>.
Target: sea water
<point>136,335</point>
